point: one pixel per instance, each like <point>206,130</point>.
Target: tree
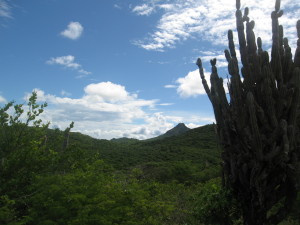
<point>22,155</point>
<point>14,124</point>
<point>259,127</point>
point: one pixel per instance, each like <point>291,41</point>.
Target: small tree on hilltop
<point>259,128</point>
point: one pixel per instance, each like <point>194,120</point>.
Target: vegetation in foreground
<point>175,180</point>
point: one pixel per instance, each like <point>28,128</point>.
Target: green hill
<point>170,181</point>
<point>124,140</point>
<point>194,151</point>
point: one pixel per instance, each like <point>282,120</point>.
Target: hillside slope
<point>194,151</point>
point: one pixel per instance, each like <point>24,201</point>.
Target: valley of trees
<point>58,177</point>
<point>53,177</point>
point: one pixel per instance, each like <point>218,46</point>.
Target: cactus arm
<point>204,82</point>
<point>254,126</point>
<point>259,130</point>
<point>297,53</point>
<point>275,52</point>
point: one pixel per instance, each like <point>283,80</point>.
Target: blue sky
<point>121,68</point>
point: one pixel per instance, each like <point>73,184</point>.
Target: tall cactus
<point>259,128</point>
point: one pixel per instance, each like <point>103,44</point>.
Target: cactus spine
<point>259,128</point>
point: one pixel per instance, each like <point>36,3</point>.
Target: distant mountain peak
<point>181,125</point>
<point>178,129</point>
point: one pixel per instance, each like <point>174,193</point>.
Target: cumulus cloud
<point>154,125</point>
<point>104,107</point>
<point>191,85</point>
<point>68,61</point>
<point>73,31</point>
<point>210,20</point>
<point>107,110</point>
<point>159,122</point>
<point>5,9</point>
<point>108,91</point>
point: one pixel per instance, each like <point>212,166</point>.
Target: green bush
<point>97,198</point>
<point>214,205</point>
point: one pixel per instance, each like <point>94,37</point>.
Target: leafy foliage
<point>53,177</point>
<point>92,196</point>
<point>214,205</point>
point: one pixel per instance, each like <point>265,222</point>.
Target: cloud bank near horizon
<point>107,110</point>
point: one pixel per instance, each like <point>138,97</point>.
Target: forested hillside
<point>192,156</point>
<point>53,177</point>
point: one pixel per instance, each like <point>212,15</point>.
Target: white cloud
<point>5,9</point>
<point>103,110</point>
<point>143,10</point>
<point>107,110</point>
<point>73,31</point>
<point>206,56</point>
<point>166,104</point>
<point>107,91</point>
<point>2,99</point>
<point>210,20</point>
<point>154,125</point>
<point>158,123</point>
<point>83,73</point>
<point>166,6</point>
<point>191,84</point>
<point>68,61</point>
<point>170,86</point>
